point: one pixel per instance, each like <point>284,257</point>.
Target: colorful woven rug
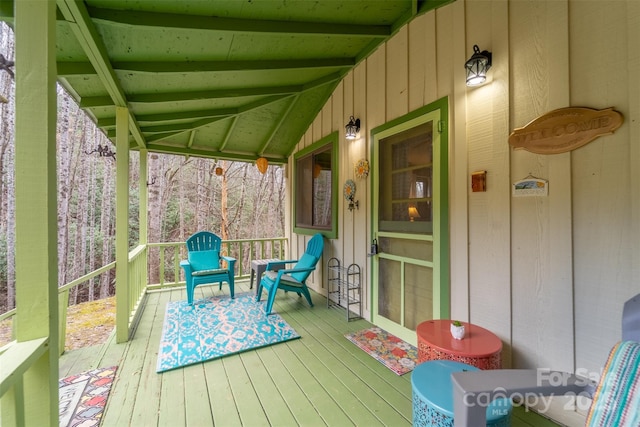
<point>216,327</point>
<point>84,396</point>
<point>394,353</point>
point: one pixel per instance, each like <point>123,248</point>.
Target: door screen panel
<point>389,300</point>
<point>416,249</point>
<point>418,290</point>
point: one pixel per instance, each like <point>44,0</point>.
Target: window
<point>316,189</point>
<point>406,176</point>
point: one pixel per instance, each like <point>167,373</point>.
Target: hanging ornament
<point>219,171</point>
<point>317,170</point>
<point>362,168</point>
<point>262,164</point>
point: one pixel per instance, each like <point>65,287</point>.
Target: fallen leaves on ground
<point>88,324</point>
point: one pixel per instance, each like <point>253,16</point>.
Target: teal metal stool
<point>433,396</point>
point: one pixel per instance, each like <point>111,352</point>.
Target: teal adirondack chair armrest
<point>294,270</point>
<point>271,264</point>
<point>186,265</point>
<point>231,263</point>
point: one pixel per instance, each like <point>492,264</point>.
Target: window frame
<point>319,146</point>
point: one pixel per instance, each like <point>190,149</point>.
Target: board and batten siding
<point>549,274</point>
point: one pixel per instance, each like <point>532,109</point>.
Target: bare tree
<point>106,208</point>
<point>81,210</point>
<point>64,160</point>
<point>7,200</point>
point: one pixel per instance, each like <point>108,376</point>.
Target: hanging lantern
<point>262,164</point>
<point>219,171</point>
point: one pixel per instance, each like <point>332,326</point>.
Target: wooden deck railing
<point>18,358</point>
<point>168,267</point>
<point>170,254</point>
<point>137,282</point>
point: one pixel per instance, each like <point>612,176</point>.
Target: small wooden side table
<point>258,266</point>
<point>479,347</point>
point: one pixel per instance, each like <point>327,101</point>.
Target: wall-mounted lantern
<point>352,128</point>
<point>477,66</point>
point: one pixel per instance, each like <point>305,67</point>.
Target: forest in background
<point>185,195</point>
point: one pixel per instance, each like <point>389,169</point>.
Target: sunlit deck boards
<point>321,379</point>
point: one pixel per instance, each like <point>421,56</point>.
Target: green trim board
<point>332,141</point>
<point>437,112</point>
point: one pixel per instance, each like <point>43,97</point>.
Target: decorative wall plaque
<point>531,186</point>
<point>565,129</point>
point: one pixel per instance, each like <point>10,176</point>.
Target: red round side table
<point>479,347</point>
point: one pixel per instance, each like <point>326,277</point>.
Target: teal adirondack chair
<point>292,279</point>
<point>203,263</point>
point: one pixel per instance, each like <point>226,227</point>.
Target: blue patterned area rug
<point>216,327</point>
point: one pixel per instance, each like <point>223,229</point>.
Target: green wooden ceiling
<point>234,79</point>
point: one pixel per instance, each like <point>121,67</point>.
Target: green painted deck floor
<point>321,379</point>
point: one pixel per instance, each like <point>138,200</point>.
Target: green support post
<point>122,225</point>
<point>36,206</point>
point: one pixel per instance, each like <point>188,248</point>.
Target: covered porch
<point>547,274</point>
<point>320,379</point>
<point>253,104</point>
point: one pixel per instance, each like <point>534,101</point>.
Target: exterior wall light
<point>477,66</point>
<point>352,128</point>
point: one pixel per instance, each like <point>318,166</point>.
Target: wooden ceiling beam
<point>66,69</point>
<point>150,98</point>
<point>110,122</point>
<point>199,22</point>
<point>215,154</point>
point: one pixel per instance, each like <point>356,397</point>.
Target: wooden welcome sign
<point>565,129</point>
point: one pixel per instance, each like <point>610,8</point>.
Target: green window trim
<point>330,231</point>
